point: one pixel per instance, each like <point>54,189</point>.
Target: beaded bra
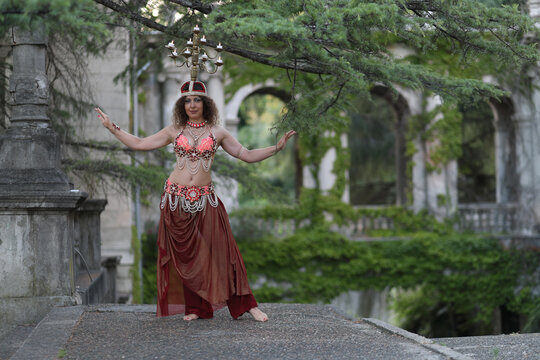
<point>195,155</point>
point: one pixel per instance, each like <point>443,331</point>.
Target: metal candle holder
<point>194,56</point>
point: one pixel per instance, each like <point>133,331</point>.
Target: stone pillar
<point>527,120</point>
<point>36,202</point>
<point>414,100</point>
<point>440,183</point>
<point>419,177</point>
<point>505,152</point>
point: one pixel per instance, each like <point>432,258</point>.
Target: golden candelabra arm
<point>194,55</point>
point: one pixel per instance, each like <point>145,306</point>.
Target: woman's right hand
<point>104,119</point>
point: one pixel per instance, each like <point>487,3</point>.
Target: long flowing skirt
<point>197,251</point>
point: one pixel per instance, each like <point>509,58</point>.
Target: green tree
<point>347,44</point>
<point>318,49</point>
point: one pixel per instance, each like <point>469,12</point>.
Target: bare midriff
<point>184,177</point>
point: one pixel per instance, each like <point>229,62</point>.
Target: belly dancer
<point>200,268</point>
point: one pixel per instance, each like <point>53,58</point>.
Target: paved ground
<point>293,332</point>
<point>497,347</point>
<point>13,340</point>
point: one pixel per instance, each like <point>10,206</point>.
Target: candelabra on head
<point>194,56</point>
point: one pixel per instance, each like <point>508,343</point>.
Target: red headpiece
<point>193,88</point>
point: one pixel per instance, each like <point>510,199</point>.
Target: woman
<point>200,268</point>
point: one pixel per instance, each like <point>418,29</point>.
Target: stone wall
<point>114,99</point>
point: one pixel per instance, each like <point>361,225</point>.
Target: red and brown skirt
<point>198,259</point>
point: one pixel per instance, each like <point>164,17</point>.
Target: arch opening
<point>377,145</point>
<point>257,113</point>
<point>487,166</point>
<point>476,165</point>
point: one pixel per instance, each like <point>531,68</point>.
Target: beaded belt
<point>191,198</point>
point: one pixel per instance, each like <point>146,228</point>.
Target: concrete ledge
<point>123,308</point>
<point>51,334</point>
<point>28,310</point>
<point>60,200</point>
<point>443,350</point>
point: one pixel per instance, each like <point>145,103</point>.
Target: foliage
<point>80,19</point>
<point>347,45</point>
<point>317,50</point>
<point>463,275</point>
<point>449,282</point>
<point>444,134</point>
<point>61,353</point>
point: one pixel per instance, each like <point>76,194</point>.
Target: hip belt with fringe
<point>191,198</point>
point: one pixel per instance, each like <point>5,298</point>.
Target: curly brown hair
<point>210,111</point>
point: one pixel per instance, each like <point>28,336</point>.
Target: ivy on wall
<point>449,283</point>
<point>465,276</point>
<point>440,128</point>
<point>313,148</point>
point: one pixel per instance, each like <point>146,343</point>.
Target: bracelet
<point>116,127</point>
<point>240,152</point>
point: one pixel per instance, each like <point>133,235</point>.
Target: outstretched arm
<point>234,148</point>
<point>159,139</point>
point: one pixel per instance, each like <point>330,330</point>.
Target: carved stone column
<point>36,202</point>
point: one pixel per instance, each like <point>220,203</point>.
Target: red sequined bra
<point>204,150</point>
<point>197,155</point>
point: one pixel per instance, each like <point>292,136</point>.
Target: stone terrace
<point>293,332</point>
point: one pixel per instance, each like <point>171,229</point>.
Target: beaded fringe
<point>186,205</point>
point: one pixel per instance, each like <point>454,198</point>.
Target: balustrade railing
<point>371,222</point>
<point>494,218</point>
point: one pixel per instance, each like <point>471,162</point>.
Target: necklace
<point>195,135</point>
<point>196,125</point>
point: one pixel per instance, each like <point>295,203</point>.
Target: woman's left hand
<point>283,141</point>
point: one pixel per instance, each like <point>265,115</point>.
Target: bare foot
<point>258,314</point>
<point>191,317</point>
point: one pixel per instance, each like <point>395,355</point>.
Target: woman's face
<point>194,108</point>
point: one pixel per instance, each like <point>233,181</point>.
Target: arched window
<point>476,166</point>
<point>256,114</point>
<point>377,175</point>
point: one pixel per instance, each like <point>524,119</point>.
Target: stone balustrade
<point>492,218</point>
<point>507,218</point>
